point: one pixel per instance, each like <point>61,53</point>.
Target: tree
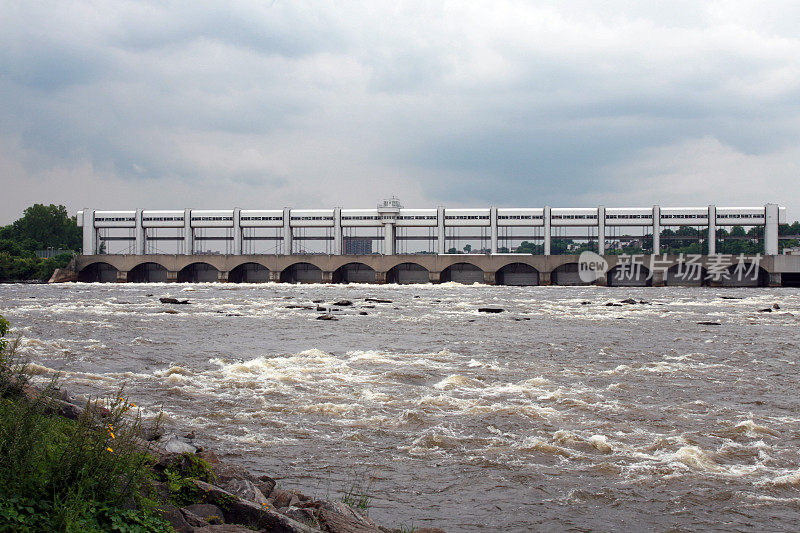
<point>467,248</point>
<point>43,227</point>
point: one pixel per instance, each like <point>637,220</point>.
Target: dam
<point>371,246</point>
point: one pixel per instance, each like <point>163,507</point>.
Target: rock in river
<point>168,300</point>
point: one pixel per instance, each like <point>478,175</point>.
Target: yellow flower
<point>109,449</point>
<point>133,404</point>
<point>112,435</point>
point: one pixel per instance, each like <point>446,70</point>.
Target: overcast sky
<point>112,104</point>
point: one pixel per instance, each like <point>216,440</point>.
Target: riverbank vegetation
<point>80,475</point>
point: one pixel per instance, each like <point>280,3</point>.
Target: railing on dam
<point>392,226</point>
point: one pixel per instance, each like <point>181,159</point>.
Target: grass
<point>358,494</point>
<point>85,475</point>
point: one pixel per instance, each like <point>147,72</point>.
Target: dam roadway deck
<point>500,269</point>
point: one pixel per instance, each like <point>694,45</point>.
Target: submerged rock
<point>170,300</point>
<point>709,323</point>
<point>628,301</point>
<point>490,310</point>
<point>343,303</point>
<point>776,306</point>
<point>765,310</point>
<point>327,316</point>
<point>380,300</point>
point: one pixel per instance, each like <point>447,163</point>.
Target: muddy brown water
<point>553,415</point>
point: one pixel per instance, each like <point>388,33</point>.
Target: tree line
<point>41,227</point>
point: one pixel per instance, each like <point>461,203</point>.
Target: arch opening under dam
<point>518,274</point>
<point>635,275</point>
<point>465,273</point>
<point>148,272</point>
<point>98,273</point>
<point>354,273</point>
<point>745,275</point>
<point>249,273</point>
<point>567,274</point>
<point>198,273</point>
<point>301,273</point>
<point>406,273</point>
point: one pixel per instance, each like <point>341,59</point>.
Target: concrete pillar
<point>188,233</point>
<point>380,277</point>
<point>602,280</point>
<point>237,232</point>
<point>544,278</point>
<point>172,276</point>
<point>222,276</point>
<point>601,230</point>
<point>658,278</point>
<point>89,233</point>
<point>656,229</point>
<point>337,231</point>
<point>489,278</point>
<point>547,231</point>
<point>141,237</point>
<point>122,276</point>
<point>775,279</point>
<point>287,231</point>
<point>440,232</point>
<point>493,222</point>
<point>275,276</point>
<point>771,229</point>
<point>712,230</point>
<point>388,239</point>
<point>327,276</point>
<point>434,277</point>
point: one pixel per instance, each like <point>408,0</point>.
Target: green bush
<point>68,475</point>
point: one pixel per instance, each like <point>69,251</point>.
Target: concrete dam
<point>366,246</point>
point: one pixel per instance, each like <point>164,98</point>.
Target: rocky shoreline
<point>223,497</point>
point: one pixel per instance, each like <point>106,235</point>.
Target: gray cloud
<point>163,104</point>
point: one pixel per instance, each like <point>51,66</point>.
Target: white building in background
<point>389,217</point>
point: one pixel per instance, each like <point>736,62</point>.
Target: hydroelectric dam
<point>392,244</point>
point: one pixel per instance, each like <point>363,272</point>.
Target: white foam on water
<point>455,381</point>
<point>751,429</point>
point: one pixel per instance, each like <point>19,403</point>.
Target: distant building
<point>357,245</point>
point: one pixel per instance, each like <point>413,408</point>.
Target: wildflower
<point>111,450</point>
<point>111,433</point>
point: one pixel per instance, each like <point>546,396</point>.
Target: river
<point>560,413</point>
